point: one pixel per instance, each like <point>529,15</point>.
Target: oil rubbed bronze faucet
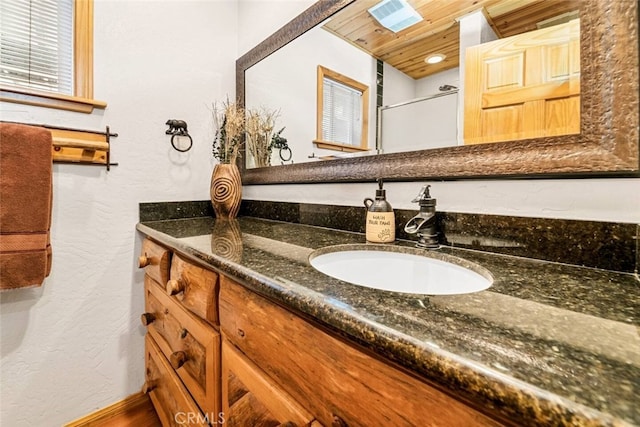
<point>424,224</point>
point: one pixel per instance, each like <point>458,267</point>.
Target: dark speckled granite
<point>157,211</point>
<point>637,270</point>
<point>547,344</point>
<point>604,245</point>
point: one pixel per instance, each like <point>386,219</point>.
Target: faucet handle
<point>423,194</point>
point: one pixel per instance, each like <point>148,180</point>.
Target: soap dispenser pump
<point>381,221</point>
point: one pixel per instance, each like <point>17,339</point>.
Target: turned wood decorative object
<point>226,190</point>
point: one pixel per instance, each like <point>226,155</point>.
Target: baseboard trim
<point>111,411</point>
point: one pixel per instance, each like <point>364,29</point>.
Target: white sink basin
<point>386,268</point>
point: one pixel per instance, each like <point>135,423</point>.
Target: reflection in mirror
<point>481,51</point>
<point>342,112</point>
<point>589,94</point>
<point>287,81</point>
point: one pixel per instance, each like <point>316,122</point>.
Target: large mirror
<point>606,143</point>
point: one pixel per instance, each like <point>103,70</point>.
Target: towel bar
<point>80,146</point>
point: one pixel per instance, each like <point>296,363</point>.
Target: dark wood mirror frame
<point>606,147</point>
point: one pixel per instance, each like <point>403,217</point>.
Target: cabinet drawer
<point>170,399</point>
<point>195,287</point>
<point>250,398</point>
<point>191,346</point>
<point>156,260</point>
<point>330,377</point>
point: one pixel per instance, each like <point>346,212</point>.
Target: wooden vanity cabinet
<point>183,341</point>
<point>222,354</point>
<point>335,381</point>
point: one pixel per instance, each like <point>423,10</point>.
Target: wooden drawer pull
<point>143,261</point>
<point>174,286</point>
<point>338,422</point>
<point>177,359</point>
<point>147,318</point>
<point>148,386</point>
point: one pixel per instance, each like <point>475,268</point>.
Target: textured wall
<point>76,344</point>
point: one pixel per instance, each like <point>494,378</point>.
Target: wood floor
<point>135,411</point>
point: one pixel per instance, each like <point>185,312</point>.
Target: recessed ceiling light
<point>435,58</point>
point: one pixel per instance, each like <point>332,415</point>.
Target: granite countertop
<point>546,344</point>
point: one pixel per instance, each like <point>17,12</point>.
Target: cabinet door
<point>249,398</point>
<point>172,402</point>
<point>336,381</point>
<point>191,346</point>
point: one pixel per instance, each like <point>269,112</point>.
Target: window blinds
<point>341,113</point>
<point>36,44</point>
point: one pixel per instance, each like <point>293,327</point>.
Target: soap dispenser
<point>381,221</point>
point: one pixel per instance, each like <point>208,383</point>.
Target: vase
<point>226,190</point>
<point>226,239</point>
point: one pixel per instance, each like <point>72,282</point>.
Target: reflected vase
<point>226,190</point>
<point>226,239</point>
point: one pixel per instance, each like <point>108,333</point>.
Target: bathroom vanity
<point>242,329</point>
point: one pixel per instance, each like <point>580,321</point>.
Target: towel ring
<point>173,144</point>
<point>285,149</point>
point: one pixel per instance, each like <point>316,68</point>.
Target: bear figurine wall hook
<point>178,128</point>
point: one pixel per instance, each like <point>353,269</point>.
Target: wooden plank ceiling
<point>438,32</point>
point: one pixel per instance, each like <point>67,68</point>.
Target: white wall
<point>76,344</point>
<point>589,199</point>
<point>430,123</point>
<point>293,70</point>
<point>258,19</point>
<point>431,84</point>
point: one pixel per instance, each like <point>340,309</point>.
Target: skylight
<point>396,15</point>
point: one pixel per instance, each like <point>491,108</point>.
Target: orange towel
<point>25,205</point>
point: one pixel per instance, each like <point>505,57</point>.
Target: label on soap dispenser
<point>381,227</point>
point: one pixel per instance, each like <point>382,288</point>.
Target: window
<point>46,53</point>
<point>342,118</point>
